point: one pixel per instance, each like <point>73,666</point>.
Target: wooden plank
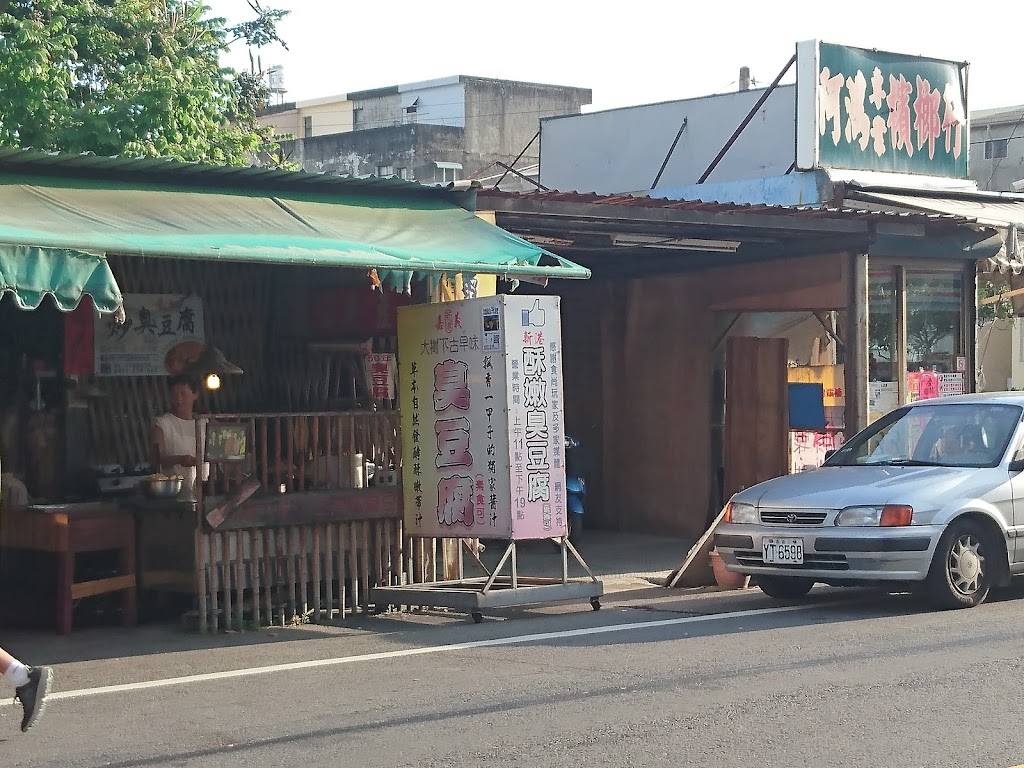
<point>328,543</point>
<point>240,537</point>
<point>317,507</point>
<point>225,508</point>
<point>695,570</point>
<point>102,586</point>
<point>278,455</point>
<point>342,569</point>
<point>290,464</point>
<point>364,555</point>
<point>353,563</point>
<point>317,575</point>
<point>264,428</point>
<point>211,540</point>
<point>204,615</point>
<point>225,561</point>
<point>316,450</point>
<point>303,535</point>
<point>257,562</point>
<point>266,555</point>
<point>303,435</point>
<point>757,412</point>
<point>290,535</point>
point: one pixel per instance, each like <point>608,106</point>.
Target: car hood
<point>838,487</point>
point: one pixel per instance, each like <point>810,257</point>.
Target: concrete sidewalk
<point>621,560</point>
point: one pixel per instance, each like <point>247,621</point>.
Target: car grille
<point>813,561</point>
<point>793,516</point>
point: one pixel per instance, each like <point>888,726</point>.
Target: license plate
<point>783,551</point>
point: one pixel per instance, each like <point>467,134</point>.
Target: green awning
<point>30,274</point>
<point>394,233</point>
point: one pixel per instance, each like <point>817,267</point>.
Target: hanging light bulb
<point>213,382</point>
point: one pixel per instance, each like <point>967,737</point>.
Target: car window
<point>954,434</point>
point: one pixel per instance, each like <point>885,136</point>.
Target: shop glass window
<point>882,326</point>
<point>934,321</point>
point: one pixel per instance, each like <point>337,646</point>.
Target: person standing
<point>173,436</point>
<point>31,687</point>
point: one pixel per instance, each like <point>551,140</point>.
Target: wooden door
<point>756,412</point>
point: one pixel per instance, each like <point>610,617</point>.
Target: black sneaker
<point>33,694</point>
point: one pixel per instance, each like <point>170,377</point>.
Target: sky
<point>628,53</point>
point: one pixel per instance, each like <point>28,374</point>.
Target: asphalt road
<point>846,678</point>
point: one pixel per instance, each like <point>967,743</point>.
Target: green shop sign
<point>862,109</point>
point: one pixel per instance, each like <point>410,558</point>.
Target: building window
<point>385,171</point>
<point>307,127</point>
<point>995,149</point>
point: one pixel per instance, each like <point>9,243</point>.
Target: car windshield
<point>952,435</point>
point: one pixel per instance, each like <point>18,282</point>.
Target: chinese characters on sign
<point>481,419</point>
<point>862,109</point>
<point>161,335</point>
<point>380,375</point>
<point>807,449</point>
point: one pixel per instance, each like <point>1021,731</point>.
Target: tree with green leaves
<point>138,78</point>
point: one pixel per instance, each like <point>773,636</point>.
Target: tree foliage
<point>138,78</point>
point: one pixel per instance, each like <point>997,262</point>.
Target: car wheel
<point>784,587</point>
<point>961,572</point>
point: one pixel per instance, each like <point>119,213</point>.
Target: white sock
<point>17,674</point>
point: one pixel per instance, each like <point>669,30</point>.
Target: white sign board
<point>482,421</point>
<point>160,336</point>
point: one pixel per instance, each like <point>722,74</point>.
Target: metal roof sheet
<point>165,171</point>
<point>634,201</point>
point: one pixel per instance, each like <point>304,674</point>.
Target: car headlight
<point>888,516</point>
<point>740,514</point>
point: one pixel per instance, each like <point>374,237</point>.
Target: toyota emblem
<point>791,517</point>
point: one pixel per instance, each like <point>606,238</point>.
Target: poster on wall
<point>482,421</point>
<point>162,334</point>
<point>380,375</point>
<point>807,448</point>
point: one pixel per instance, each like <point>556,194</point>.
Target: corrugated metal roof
<point>164,171</point>
<point>632,201</point>
<point>996,211</point>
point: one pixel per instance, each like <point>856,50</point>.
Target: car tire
<point>961,570</point>
<point>784,587</point>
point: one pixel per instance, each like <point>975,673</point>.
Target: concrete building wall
<point>326,116</point>
<point>414,148</point>
<point>992,134</point>
<point>621,150</point>
<point>999,356</point>
<point>502,117</point>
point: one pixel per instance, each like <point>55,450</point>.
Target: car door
<point>1016,484</point>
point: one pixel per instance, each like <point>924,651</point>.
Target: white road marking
<point>421,651</point>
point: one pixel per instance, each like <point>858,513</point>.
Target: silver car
<point>929,497</point>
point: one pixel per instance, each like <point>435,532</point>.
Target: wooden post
<point>201,567</point>
<point>317,576</point>
<point>268,573</point>
<point>256,560</point>
<point>857,339</point>
<point>342,571</point>
<point>899,335</point>
<point>353,563</point>
<point>240,537</point>
<point>970,326</point>
<point>329,538</point>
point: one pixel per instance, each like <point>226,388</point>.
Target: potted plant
<point>727,579</point>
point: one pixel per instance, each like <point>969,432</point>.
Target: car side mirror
<point>1017,465</point>
<point>830,453</point>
